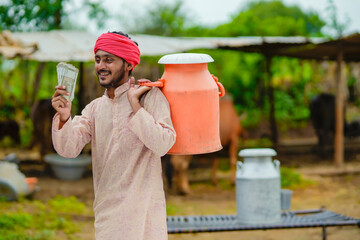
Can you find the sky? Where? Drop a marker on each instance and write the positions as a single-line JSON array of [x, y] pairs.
[[214, 12]]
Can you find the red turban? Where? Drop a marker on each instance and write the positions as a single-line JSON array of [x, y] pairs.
[[120, 46]]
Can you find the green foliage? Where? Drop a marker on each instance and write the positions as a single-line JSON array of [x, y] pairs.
[[45, 221], [97, 12], [257, 143], [42, 15], [254, 117], [26, 131], [13, 220], [62, 204], [267, 18], [291, 179], [162, 19], [27, 15], [171, 209], [336, 27]]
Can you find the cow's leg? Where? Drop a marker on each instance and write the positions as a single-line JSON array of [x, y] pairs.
[[169, 170], [215, 164], [181, 164], [233, 157], [322, 143]]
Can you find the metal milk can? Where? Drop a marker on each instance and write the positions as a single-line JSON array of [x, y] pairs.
[[258, 187]]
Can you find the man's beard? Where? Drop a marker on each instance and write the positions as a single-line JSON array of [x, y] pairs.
[[115, 82]]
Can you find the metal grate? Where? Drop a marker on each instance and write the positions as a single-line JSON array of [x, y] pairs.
[[290, 219]]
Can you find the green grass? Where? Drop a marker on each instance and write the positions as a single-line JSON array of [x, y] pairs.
[[292, 179], [36, 220]]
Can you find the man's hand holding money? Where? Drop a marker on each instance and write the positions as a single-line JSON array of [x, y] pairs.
[[60, 104], [64, 92]]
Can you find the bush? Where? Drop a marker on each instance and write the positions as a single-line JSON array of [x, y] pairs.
[[291, 179]]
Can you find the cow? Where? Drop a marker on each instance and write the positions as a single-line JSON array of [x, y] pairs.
[[322, 115], [11, 129], [230, 132], [42, 113]]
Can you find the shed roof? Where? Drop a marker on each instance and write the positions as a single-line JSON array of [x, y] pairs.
[[10, 47], [65, 45], [329, 50]]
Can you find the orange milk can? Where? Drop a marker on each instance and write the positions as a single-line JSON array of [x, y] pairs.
[[193, 95]]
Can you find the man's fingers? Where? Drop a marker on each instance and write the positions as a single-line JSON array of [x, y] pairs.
[[60, 90], [143, 80], [143, 89], [58, 104], [59, 101], [132, 82], [60, 87]]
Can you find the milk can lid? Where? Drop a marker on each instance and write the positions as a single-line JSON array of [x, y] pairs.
[[185, 58], [257, 152]]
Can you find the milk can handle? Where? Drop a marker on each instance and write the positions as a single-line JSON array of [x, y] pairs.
[[239, 165], [277, 165], [159, 83], [222, 89]]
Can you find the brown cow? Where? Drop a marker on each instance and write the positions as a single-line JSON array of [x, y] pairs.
[[230, 132]]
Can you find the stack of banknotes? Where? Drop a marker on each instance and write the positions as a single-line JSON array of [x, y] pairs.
[[67, 74]]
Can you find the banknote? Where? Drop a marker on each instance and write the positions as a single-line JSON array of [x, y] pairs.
[[67, 75]]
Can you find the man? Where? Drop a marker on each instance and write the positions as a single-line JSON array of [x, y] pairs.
[[130, 129]]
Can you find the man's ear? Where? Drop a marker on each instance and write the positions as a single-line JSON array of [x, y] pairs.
[[129, 67]]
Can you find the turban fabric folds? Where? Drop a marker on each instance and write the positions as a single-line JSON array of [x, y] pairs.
[[120, 46]]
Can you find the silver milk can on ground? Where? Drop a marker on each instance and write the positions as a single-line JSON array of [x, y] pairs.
[[258, 187]]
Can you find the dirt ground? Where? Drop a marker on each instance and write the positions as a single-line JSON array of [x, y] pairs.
[[336, 189]]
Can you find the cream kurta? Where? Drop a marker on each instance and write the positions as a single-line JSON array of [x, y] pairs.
[[126, 149]]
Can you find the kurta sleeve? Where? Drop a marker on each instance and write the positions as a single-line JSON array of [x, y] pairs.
[[74, 135], [152, 124]]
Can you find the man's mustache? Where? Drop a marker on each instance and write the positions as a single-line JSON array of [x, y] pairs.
[[103, 71]]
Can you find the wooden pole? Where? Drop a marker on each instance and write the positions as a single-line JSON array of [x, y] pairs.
[[38, 76], [80, 95], [274, 133], [26, 78], [339, 112]]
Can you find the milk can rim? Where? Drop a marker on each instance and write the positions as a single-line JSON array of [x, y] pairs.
[[257, 152], [185, 58]]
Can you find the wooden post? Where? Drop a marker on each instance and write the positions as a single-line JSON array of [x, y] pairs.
[[38, 76], [274, 133], [26, 81], [80, 94], [339, 112]]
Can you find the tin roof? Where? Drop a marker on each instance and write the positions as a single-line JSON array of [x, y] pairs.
[[65, 45]]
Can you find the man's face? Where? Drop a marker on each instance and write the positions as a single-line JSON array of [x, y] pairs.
[[112, 71]]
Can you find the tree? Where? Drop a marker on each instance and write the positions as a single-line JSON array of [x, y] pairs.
[[243, 75], [336, 28], [27, 15], [43, 15], [268, 18], [163, 19]]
